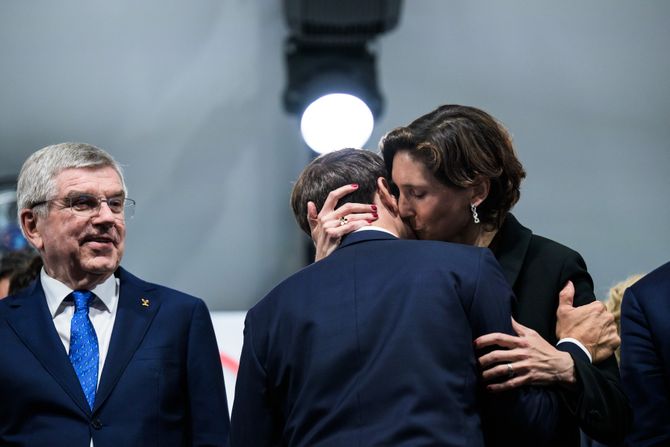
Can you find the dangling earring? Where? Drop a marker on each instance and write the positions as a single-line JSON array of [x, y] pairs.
[[475, 217]]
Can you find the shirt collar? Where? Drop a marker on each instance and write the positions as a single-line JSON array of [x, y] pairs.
[[55, 292], [376, 228]]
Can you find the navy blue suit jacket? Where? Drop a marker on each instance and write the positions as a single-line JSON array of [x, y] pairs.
[[645, 357], [373, 346], [162, 382]]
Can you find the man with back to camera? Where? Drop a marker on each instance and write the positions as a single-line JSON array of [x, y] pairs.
[[374, 344], [92, 355]]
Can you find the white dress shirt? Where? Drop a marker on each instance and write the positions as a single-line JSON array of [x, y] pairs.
[[373, 227]]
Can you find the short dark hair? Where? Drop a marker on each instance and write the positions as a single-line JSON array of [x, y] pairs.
[[21, 279], [458, 144], [15, 261], [330, 171]]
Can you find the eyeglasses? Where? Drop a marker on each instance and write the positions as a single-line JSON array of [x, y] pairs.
[[87, 205]]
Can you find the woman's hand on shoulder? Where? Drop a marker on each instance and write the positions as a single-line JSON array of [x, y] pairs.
[[329, 225], [524, 359]]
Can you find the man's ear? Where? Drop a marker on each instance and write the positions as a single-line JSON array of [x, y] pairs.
[[388, 199], [480, 190], [28, 221]]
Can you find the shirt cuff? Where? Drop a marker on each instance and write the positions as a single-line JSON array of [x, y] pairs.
[[579, 344]]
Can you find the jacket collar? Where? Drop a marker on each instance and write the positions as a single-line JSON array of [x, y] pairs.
[[362, 236], [510, 246]]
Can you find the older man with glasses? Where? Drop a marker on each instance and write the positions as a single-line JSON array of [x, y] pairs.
[[92, 355]]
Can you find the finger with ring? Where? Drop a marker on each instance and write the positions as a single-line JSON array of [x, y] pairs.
[[343, 220], [510, 370]]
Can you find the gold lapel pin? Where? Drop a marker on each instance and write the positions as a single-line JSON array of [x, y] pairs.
[[145, 302]]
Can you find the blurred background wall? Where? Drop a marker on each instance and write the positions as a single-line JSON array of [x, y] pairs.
[[186, 95]]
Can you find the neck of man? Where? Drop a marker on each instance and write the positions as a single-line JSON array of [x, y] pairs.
[[390, 223], [87, 281]]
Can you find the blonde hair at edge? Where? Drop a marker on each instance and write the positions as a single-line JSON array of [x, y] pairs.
[[613, 302]]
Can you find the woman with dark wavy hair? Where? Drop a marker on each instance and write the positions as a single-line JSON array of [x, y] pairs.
[[457, 176]]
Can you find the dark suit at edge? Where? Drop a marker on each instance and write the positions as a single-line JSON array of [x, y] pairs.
[[645, 357]]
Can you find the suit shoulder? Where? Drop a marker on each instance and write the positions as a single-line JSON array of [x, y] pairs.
[[549, 249], [286, 288], [448, 250], [551, 259], [655, 283], [547, 265], [168, 294], [445, 257], [16, 299], [175, 294]]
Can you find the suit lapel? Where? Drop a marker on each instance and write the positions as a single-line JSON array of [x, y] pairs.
[[138, 305], [511, 244], [30, 319]]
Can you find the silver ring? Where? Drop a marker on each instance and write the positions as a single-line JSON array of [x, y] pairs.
[[510, 370], [343, 221]]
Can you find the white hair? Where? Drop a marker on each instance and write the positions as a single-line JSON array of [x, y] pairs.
[[36, 181]]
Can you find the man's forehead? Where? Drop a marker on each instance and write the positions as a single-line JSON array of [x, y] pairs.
[[94, 178]]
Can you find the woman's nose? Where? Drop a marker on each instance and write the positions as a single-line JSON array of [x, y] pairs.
[[404, 207]]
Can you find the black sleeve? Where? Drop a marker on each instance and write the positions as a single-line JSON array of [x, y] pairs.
[[598, 401]]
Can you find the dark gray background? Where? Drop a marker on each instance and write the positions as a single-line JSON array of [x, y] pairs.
[[186, 94]]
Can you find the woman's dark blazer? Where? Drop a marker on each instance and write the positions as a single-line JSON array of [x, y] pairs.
[[538, 268]]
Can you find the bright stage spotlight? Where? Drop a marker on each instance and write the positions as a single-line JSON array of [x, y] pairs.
[[334, 90], [330, 63], [336, 121]]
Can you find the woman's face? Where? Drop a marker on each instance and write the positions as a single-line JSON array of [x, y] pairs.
[[433, 210]]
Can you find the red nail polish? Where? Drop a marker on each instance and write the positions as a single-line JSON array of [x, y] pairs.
[[354, 185], [374, 207], [375, 215]]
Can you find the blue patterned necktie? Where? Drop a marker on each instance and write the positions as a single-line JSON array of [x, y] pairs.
[[84, 345]]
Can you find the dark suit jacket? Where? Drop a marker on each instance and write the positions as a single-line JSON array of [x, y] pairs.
[[538, 269], [162, 382], [373, 346], [645, 357]]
